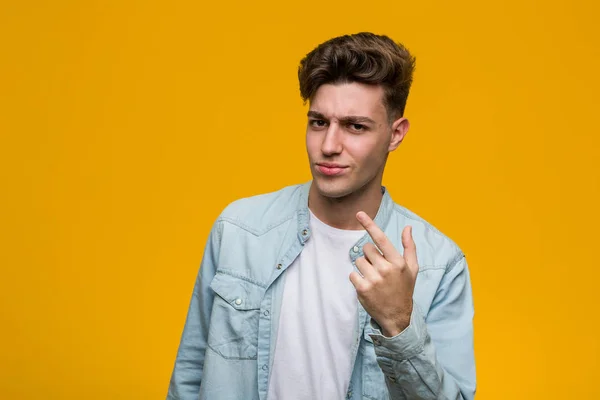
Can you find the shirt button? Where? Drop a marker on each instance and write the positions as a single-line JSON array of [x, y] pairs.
[[265, 367], [355, 249], [238, 301], [279, 266], [304, 232], [266, 313]]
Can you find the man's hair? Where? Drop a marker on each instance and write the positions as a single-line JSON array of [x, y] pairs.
[[362, 57]]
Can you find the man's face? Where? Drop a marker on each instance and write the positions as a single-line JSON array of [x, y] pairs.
[[348, 137]]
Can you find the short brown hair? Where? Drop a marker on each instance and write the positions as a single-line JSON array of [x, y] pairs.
[[365, 58]]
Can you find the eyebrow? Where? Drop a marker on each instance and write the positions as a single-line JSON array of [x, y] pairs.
[[355, 119]]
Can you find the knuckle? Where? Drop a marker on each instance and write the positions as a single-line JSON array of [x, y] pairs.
[[402, 265], [361, 262], [366, 287], [380, 237], [385, 270]]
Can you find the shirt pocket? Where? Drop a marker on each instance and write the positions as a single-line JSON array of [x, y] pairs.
[[233, 331]]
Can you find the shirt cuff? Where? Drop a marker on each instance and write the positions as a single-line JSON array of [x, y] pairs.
[[406, 344]]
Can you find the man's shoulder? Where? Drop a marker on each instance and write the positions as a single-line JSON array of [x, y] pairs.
[[436, 248], [263, 211]]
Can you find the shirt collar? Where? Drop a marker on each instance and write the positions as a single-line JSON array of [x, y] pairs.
[[381, 218]]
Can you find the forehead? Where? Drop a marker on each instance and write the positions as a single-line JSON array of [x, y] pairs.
[[343, 99]]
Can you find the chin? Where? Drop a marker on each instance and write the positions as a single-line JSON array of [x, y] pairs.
[[334, 188]]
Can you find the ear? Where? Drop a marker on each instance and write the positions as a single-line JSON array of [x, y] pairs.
[[399, 131]]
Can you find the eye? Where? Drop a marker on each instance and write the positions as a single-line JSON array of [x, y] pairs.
[[317, 123], [358, 127]]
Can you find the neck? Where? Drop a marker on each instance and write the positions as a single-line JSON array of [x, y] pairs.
[[341, 212]]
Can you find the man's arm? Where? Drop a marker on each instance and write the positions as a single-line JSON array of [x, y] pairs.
[[434, 358], [421, 359], [187, 373]]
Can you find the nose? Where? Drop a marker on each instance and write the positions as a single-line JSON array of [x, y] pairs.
[[332, 142]]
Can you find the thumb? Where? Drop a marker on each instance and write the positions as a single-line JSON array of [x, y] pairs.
[[410, 249]]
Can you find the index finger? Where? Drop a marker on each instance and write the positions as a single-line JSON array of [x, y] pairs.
[[379, 238]]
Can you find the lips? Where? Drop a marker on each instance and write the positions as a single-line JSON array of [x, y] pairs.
[[331, 169]]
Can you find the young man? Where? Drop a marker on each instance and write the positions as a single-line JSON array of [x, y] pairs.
[[330, 290]]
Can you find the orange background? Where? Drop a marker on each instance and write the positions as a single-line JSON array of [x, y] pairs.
[[126, 127]]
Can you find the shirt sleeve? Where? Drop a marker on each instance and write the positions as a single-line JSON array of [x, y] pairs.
[[187, 372], [433, 358]]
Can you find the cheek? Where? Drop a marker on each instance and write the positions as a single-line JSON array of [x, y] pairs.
[[366, 152], [312, 143]]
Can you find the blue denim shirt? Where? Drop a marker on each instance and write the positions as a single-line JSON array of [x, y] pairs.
[[227, 345]]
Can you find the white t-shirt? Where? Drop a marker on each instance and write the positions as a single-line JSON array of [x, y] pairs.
[[318, 319]]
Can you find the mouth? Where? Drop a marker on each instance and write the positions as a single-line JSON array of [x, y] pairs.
[[331, 169]]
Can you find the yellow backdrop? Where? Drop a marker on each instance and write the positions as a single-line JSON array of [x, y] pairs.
[[126, 127]]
